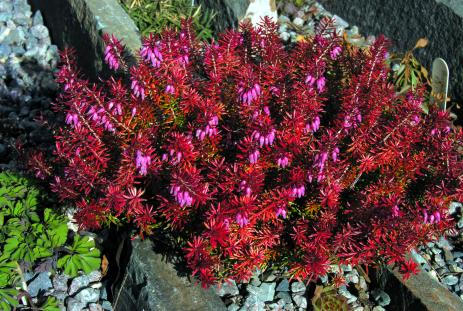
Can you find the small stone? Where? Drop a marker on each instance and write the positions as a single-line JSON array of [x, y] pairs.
[[269, 276], [444, 244], [284, 296], [283, 286], [298, 287], [60, 282], [359, 308], [439, 260], [343, 291], [420, 260], [274, 307], [354, 31], [227, 288], [39, 31], [346, 268], [233, 307], [436, 250], [41, 282], [264, 292], [300, 301], [298, 22], [285, 36], [78, 283], [324, 278], [289, 307], [378, 308], [460, 223], [88, 295], [95, 307], [352, 278], [253, 303], [37, 19], [107, 306], [458, 254], [74, 305], [450, 280], [363, 284], [433, 274], [381, 297], [448, 255]]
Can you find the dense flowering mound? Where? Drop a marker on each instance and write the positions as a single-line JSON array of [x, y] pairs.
[[258, 154]]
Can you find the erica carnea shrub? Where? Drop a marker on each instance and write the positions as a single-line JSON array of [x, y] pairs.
[[258, 154]]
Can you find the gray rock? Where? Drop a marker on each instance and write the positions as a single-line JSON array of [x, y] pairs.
[[439, 260], [457, 254], [460, 223], [227, 288], [107, 306], [420, 260], [6, 6], [378, 308], [37, 19], [284, 296], [16, 36], [298, 287], [95, 307], [264, 292], [74, 305], [5, 50], [450, 280], [454, 208], [436, 250], [338, 21], [351, 278], [345, 293], [39, 31], [269, 276], [298, 21], [300, 301], [324, 278], [448, 255], [78, 283], [381, 297], [346, 268], [289, 307], [253, 303], [88, 295], [41, 282], [283, 286], [94, 276], [362, 283], [20, 18], [60, 282], [5, 16], [233, 307], [444, 244]]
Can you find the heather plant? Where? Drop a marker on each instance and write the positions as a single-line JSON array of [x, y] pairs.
[[252, 153]]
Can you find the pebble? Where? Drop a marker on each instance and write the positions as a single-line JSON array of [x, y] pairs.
[[40, 283], [233, 307], [283, 286], [227, 288], [298, 288], [78, 283], [88, 295], [264, 292], [450, 280], [381, 297], [74, 305], [284, 296], [352, 278], [300, 301], [60, 282], [378, 308], [253, 303], [345, 293], [298, 21], [39, 31], [95, 307]]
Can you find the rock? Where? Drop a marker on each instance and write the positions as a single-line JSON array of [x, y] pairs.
[[460, 223], [458, 254], [455, 208], [253, 303], [381, 297], [298, 22], [264, 292], [378, 308], [60, 282], [324, 278], [363, 284], [283, 286], [74, 305], [233, 307], [289, 307], [37, 19], [338, 21], [15, 37], [439, 260], [444, 244], [88, 295], [450, 280], [39, 31], [448, 255], [284, 296], [95, 307], [345, 293], [346, 268], [433, 274], [78, 283], [436, 250], [41, 282], [269, 276], [5, 50], [285, 36], [5, 16], [107, 306], [351, 278], [358, 308], [227, 288], [300, 301], [94, 276], [298, 288], [420, 260]]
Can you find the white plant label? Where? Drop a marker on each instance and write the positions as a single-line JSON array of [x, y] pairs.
[[440, 82]]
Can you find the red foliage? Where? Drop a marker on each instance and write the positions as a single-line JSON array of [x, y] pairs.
[[258, 153]]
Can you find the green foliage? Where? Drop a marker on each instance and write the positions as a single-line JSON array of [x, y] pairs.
[[152, 16], [82, 256], [30, 235]]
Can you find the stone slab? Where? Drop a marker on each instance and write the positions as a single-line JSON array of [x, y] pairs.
[[151, 283], [81, 23], [441, 21]]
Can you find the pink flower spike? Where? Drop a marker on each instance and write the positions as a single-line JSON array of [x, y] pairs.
[[281, 212], [425, 217], [321, 84], [437, 215]]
